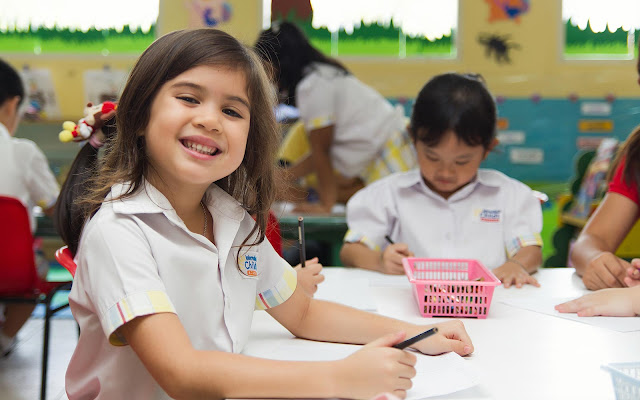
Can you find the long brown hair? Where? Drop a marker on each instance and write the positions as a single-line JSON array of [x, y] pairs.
[[125, 159]]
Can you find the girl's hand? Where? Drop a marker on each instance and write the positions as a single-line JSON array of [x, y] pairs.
[[310, 276], [392, 256], [376, 368], [451, 336], [633, 273], [618, 302], [605, 271], [511, 273]]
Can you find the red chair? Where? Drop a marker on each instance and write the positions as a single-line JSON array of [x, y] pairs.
[[19, 281], [273, 232]]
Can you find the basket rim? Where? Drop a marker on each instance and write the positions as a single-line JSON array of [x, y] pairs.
[[493, 280], [614, 369]]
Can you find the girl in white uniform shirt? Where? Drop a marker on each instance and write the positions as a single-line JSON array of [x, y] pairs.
[[171, 265], [448, 208], [356, 136], [26, 176]]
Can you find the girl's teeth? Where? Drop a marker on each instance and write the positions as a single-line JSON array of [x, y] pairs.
[[200, 148]]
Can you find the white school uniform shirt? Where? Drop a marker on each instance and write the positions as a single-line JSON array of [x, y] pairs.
[[489, 219], [25, 173], [362, 118], [137, 257]]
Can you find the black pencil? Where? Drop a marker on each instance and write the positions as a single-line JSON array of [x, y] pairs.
[[303, 254], [389, 239], [415, 339]]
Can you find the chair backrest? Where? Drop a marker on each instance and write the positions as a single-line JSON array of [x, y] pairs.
[[17, 263], [65, 258]]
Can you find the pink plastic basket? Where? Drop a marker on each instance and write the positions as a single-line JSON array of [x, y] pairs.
[[451, 287]]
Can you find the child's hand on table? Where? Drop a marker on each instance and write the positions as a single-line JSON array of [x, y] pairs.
[[451, 336], [606, 270], [512, 273], [633, 273], [376, 368], [613, 302], [310, 276], [392, 256]]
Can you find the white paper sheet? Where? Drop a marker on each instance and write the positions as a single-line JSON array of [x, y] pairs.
[[545, 305], [436, 375], [353, 292]]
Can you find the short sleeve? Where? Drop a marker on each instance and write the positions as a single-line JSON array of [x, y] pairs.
[[315, 99], [524, 219], [277, 280], [119, 274], [370, 216], [618, 185], [42, 185]]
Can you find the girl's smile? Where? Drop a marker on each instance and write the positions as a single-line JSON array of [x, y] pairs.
[[198, 128]]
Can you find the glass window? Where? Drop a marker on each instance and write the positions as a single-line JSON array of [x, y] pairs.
[[77, 26], [596, 29], [380, 28]]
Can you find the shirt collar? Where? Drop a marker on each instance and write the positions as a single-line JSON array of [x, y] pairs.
[[149, 200], [484, 177], [4, 132]]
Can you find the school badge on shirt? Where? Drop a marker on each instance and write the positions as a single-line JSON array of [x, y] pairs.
[[487, 215], [248, 263]]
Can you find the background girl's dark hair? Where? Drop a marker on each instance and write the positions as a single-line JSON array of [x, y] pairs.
[[454, 102], [630, 152], [68, 214], [288, 51], [10, 83], [125, 160]]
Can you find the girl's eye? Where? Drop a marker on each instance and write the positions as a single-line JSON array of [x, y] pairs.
[[431, 158], [462, 162], [188, 99], [231, 113]]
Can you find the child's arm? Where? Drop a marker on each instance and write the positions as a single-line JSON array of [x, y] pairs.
[[592, 254], [163, 346], [331, 322], [618, 302], [388, 262], [517, 270], [321, 140]]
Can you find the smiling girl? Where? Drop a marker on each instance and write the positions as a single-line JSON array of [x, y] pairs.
[[171, 265]]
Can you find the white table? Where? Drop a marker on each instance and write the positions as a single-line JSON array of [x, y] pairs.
[[519, 354]]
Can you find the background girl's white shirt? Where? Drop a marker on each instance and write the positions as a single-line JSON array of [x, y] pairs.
[[136, 257], [363, 120], [25, 173], [479, 221]]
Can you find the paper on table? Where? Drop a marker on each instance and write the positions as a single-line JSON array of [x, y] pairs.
[[436, 375], [546, 305], [353, 292]]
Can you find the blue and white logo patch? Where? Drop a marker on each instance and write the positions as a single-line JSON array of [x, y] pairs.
[[248, 263], [487, 215]]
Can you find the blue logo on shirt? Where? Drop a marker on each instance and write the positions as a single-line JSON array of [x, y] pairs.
[[251, 265]]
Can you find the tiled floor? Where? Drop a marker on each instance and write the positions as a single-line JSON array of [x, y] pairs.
[[20, 371]]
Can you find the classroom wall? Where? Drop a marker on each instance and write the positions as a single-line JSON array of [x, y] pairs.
[[533, 90]]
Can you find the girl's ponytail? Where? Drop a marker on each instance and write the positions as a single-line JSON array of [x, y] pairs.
[[69, 213]]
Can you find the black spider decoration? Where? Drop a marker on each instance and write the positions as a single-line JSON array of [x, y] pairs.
[[498, 46]]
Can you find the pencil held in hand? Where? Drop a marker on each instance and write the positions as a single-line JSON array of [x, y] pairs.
[[303, 253], [415, 339]]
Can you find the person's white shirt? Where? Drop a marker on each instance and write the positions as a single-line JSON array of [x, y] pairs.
[[25, 174], [137, 257], [489, 220], [362, 118]]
